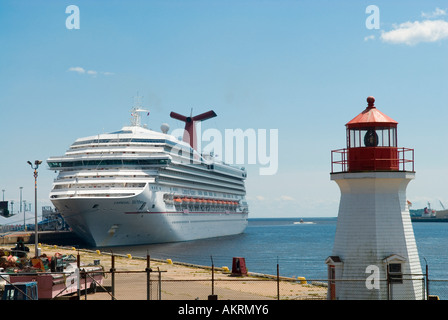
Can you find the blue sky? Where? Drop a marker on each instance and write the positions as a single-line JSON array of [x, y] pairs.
[[302, 67]]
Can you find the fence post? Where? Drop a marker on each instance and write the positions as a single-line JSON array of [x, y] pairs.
[[78, 263], [213, 277], [112, 271], [213, 280], [278, 282], [389, 289], [213, 296], [85, 283], [160, 283], [427, 283], [148, 278]]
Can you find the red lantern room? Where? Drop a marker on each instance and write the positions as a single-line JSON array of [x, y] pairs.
[[372, 143]]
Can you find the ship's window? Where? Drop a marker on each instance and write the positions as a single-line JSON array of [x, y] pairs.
[[54, 164], [118, 162]]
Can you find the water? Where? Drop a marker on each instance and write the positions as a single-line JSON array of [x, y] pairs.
[[431, 238], [299, 249]]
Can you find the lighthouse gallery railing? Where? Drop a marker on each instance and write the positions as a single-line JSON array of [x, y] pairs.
[[340, 163]]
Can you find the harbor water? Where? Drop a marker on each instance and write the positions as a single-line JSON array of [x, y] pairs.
[[299, 249]]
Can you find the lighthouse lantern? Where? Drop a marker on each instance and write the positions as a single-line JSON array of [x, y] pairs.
[[372, 141], [372, 144]]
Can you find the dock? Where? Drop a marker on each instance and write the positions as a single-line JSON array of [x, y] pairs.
[[54, 237]]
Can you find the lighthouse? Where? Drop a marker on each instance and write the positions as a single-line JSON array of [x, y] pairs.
[[374, 254]]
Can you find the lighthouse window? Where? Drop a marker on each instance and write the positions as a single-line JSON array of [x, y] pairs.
[[393, 137], [372, 137], [385, 137], [395, 274], [352, 139]]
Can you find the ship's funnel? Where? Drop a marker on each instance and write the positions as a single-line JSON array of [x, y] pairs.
[[190, 125]]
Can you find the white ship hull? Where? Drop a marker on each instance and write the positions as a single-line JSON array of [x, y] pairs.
[[119, 222], [137, 186]]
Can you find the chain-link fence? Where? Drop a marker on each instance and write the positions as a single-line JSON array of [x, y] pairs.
[[154, 286], [211, 284], [437, 289]]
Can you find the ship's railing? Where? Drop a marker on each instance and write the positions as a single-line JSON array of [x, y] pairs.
[[104, 179], [91, 195], [340, 161], [102, 187]]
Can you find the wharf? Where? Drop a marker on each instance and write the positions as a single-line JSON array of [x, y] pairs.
[[186, 281], [54, 237]]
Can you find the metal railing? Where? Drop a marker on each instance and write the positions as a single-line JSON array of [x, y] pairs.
[[340, 161]]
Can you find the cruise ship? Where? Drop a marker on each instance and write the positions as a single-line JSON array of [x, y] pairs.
[[140, 186]]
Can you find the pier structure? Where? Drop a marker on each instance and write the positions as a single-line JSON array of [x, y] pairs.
[[374, 248]]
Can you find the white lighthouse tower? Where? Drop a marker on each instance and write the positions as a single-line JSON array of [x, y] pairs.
[[374, 255]]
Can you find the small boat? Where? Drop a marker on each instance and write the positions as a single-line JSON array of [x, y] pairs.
[[64, 279], [303, 222]]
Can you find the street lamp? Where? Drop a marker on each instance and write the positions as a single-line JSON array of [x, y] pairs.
[[36, 227]]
